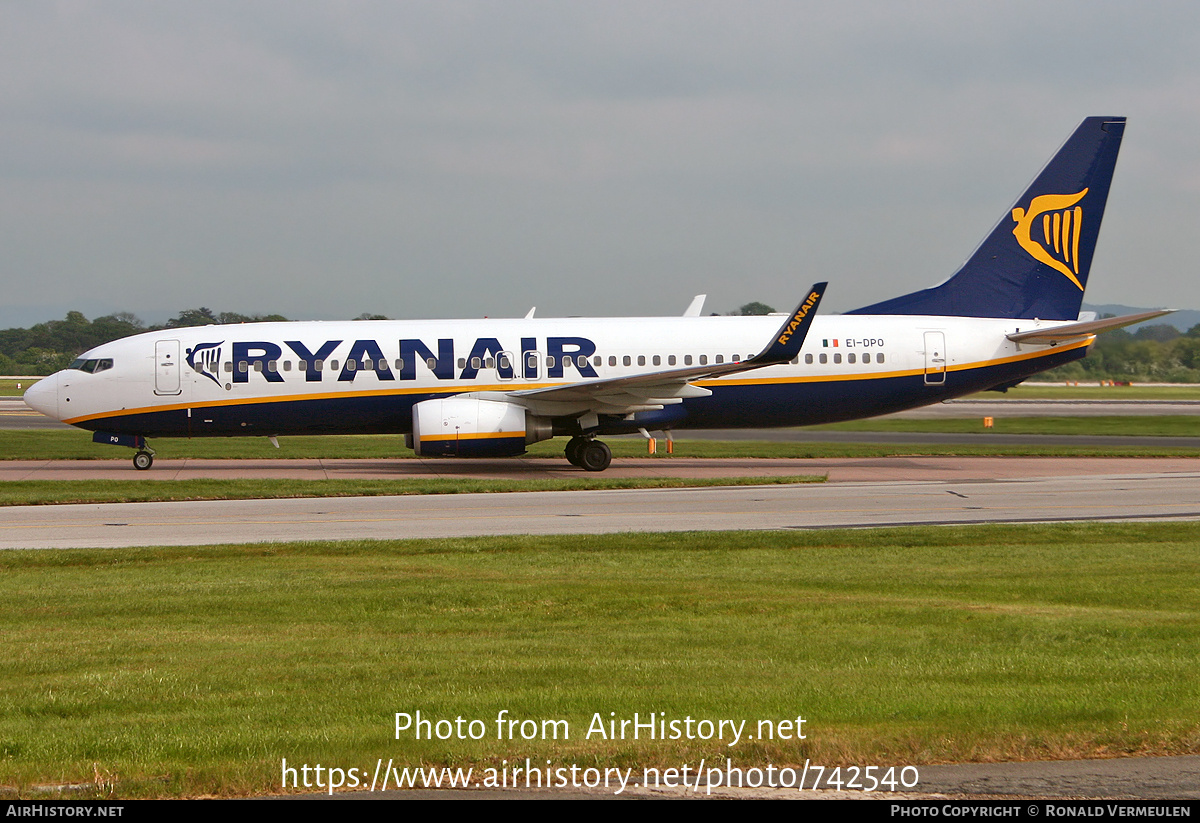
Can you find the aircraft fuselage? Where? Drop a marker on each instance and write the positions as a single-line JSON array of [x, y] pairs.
[[365, 376]]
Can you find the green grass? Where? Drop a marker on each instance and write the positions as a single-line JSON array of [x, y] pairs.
[[189, 671], [1027, 391], [51, 444], [8, 388], [45, 492], [1129, 426]]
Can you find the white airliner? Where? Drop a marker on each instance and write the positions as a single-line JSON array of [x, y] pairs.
[[488, 388]]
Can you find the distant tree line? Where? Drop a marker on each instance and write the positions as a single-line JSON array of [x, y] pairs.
[[50, 346], [1152, 354]]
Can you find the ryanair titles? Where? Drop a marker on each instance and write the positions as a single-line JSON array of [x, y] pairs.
[[798, 317], [416, 357]]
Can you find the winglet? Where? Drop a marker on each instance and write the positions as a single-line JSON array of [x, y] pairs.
[[696, 306], [790, 337]]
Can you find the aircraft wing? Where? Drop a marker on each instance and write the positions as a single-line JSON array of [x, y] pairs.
[[653, 390], [1077, 331]]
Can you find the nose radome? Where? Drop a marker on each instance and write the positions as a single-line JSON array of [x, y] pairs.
[[42, 396]]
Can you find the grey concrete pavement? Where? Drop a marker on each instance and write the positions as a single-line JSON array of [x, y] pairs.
[[1096, 496]]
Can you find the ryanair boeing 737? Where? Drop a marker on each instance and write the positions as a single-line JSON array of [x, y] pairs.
[[488, 388]]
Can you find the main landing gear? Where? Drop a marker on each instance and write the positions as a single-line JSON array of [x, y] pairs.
[[588, 454]]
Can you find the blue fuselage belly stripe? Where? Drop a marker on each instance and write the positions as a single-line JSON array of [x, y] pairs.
[[761, 405]]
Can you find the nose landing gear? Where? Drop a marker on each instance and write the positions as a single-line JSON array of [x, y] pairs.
[[144, 458]]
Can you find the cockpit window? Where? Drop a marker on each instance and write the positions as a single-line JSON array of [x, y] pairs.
[[91, 366]]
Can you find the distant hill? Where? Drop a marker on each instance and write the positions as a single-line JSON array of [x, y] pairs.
[[1182, 320]]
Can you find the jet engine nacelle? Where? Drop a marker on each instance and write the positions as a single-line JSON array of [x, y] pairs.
[[468, 427]]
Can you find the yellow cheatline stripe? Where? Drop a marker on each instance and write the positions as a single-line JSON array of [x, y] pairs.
[[290, 398], [472, 436], [725, 381], [881, 375]]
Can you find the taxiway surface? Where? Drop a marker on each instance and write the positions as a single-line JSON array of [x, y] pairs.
[[1029, 490]]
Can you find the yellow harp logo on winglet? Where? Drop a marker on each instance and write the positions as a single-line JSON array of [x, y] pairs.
[[1059, 230]]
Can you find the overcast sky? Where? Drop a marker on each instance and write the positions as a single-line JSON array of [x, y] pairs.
[[461, 159]]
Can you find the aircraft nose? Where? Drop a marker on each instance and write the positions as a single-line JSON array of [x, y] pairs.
[[42, 396]]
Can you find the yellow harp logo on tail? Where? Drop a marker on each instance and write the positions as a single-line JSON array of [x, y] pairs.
[[1059, 228]]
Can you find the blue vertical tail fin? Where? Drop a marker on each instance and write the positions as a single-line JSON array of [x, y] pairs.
[[1035, 263]]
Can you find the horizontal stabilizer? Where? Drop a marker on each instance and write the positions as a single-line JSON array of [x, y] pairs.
[[1077, 331]]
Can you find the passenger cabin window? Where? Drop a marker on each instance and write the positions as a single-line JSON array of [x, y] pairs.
[[720, 358], [824, 357], [850, 357], [670, 360], [626, 360], [641, 359], [837, 358], [808, 358], [612, 360], [704, 360], [867, 357], [657, 360], [687, 360]]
